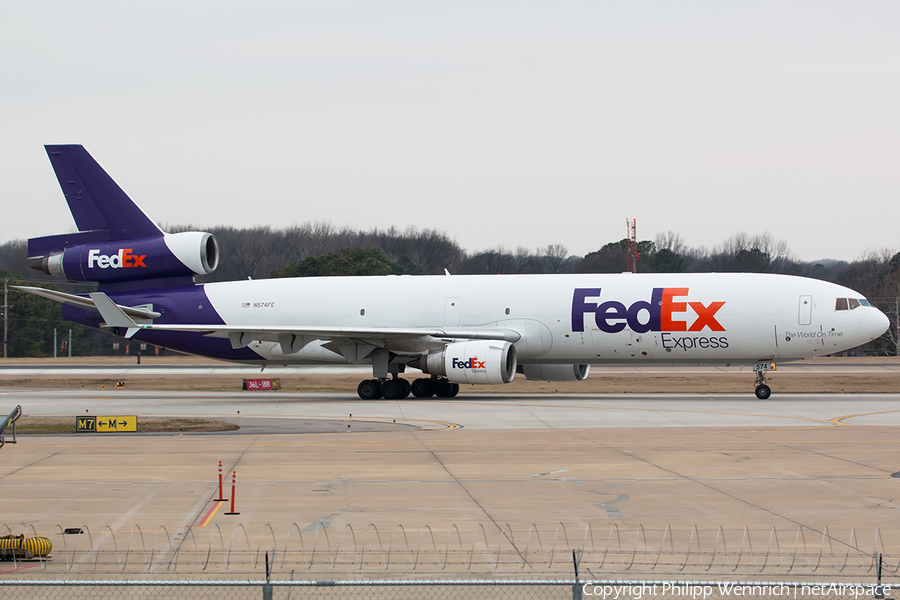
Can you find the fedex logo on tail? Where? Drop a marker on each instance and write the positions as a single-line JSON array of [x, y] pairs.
[[124, 259], [667, 311]]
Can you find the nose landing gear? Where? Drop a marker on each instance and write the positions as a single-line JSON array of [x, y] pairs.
[[763, 391]]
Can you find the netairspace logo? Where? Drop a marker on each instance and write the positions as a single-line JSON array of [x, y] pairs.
[[721, 590]]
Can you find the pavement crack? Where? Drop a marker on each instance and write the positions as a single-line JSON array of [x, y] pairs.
[[713, 488], [530, 412], [31, 464], [474, 500]]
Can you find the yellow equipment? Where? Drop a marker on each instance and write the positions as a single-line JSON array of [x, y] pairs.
[[19, 547]]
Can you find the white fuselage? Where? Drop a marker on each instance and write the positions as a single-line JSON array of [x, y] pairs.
[[699, 318]]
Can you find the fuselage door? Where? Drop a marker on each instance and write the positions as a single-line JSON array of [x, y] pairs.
[[805, 310], [613, 346]]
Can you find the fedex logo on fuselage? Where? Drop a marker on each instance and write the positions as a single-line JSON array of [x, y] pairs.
[[472, 363], [666, 311], [124, 259]]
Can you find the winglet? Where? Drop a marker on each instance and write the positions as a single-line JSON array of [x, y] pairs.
[[113, 315]]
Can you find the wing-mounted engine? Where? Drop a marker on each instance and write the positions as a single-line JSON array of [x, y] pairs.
[[478, 362], [549, 372], [170, 255]]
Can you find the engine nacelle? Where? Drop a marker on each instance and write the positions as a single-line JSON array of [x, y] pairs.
[[548, 372], [172, 255], [478, 362]]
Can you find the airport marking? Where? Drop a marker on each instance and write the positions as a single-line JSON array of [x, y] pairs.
[[447, 425], [211, 513], [22, 568], [840, 420]]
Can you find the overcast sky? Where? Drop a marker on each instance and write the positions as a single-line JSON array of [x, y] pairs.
[[500, 123]]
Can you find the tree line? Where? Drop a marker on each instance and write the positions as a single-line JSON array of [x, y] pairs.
[[321, 249]]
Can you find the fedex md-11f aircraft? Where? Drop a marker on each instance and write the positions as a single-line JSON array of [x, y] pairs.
[[474, 329]]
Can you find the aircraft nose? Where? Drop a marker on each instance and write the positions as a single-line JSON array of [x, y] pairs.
[[880, 323]]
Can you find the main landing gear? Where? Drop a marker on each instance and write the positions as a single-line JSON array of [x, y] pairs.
[[426, 388], [398, 388], [763, 391]]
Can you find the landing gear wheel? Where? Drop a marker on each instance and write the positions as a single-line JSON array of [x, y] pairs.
[[395, 389], [370, 389], [445, 389], [422, 388], [763, 391]]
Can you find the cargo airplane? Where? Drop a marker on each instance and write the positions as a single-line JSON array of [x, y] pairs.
[[455, 329]]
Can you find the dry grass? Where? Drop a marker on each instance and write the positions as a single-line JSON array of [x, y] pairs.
[[786, 380]]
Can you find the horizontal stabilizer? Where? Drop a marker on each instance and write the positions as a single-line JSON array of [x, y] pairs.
[[134, 312]]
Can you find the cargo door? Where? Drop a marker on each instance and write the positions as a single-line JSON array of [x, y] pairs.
[[612, 346]]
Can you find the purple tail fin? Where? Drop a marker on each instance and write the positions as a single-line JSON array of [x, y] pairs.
[[101, 209], [117, 246]]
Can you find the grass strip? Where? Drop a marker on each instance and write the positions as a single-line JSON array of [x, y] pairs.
[[50, 425]]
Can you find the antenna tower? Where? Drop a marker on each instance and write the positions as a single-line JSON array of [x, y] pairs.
[[631, 250]]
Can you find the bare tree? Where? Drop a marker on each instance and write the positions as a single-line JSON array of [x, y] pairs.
[[753, 254], [671, 241]]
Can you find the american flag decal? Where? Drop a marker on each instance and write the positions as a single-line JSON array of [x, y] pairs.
[[245, 305]]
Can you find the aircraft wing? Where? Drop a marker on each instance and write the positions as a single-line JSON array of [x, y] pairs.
[[293, 337], [241, 335]]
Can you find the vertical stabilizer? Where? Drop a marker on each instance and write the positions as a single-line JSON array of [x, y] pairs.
[[95, 200]]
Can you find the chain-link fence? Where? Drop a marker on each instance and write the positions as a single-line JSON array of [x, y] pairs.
[[443, 589]]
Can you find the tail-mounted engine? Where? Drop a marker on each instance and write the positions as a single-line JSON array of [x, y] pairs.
[[479, 362], [171, 255], [549, 372]]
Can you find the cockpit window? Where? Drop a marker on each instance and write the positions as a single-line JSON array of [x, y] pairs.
[[850, 303]]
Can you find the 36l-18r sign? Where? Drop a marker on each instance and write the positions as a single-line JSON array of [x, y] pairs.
[[262, 384]]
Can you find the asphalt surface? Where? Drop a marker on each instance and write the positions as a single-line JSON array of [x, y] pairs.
[[298, 412], [562, 467]]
